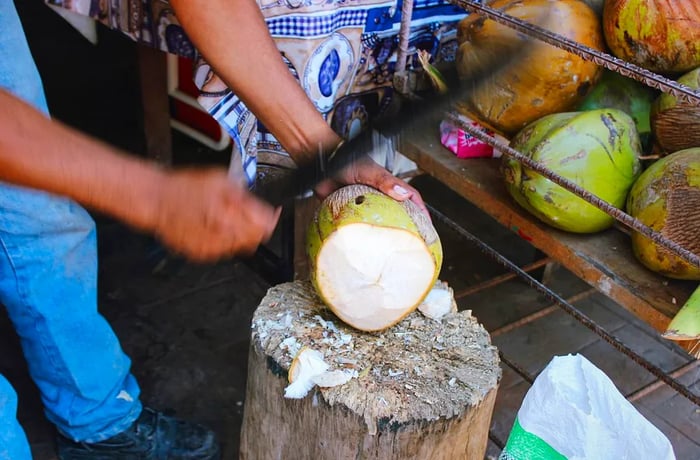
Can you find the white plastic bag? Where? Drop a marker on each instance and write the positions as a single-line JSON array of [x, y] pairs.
[[574, 411]]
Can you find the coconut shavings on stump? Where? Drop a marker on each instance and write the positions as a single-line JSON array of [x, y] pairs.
[[423, 384]]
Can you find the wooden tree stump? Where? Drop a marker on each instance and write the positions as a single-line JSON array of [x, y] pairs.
[[424, 389]]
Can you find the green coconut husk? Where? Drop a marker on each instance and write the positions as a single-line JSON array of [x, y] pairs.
[[686, 324], [597, 149], [666, 197], [618, 92]]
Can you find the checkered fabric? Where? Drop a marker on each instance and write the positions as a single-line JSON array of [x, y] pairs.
[[316, 25], [352, 79], [240, 123]]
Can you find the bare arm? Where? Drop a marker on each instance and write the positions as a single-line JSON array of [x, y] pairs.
[[41, 153], [199, 213], [234, 39]]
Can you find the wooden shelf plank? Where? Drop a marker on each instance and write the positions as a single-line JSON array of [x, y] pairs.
[[604, 260]]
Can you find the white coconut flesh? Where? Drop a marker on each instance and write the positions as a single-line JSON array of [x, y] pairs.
[[438, 302], [372, 276], [308, 369]]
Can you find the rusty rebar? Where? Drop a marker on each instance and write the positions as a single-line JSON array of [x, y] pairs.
[[567, 307], [682, 92], [496, 280], [574, 188]]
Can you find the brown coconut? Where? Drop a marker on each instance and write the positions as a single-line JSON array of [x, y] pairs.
[[676, 123], [542, 79]]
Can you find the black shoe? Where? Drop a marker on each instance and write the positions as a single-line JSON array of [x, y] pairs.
[[153, 436]]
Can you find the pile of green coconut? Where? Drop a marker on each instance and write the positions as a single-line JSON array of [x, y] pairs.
[[630, 145]]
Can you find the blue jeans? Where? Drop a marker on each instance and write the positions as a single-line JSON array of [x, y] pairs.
[[48, 283]]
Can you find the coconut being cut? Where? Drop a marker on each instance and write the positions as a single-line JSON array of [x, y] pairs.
[[372, 259]]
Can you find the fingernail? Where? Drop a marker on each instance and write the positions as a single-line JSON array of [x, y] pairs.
[[400, 190]]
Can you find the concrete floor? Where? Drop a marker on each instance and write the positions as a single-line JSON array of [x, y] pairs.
[[186, 327]]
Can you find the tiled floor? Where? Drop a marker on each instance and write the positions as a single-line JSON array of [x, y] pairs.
[[186, 327]]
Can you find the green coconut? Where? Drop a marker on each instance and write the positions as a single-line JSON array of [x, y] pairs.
[[686, 324], [676, 124], [597, 149], [666, 197], [615, 91], [372, 259]]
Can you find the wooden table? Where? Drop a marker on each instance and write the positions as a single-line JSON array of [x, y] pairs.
[[604, 260]]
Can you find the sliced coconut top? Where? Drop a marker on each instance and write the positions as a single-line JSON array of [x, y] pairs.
[[338, 201], [372, 276], [306, 364]]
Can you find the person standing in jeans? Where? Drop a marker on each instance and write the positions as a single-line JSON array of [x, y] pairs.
[[48, 257]]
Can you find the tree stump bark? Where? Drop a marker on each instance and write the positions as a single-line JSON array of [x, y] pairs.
[[423, 389]]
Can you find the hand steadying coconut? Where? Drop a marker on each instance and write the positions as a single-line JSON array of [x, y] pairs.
[[373, 259], [366, 171]]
